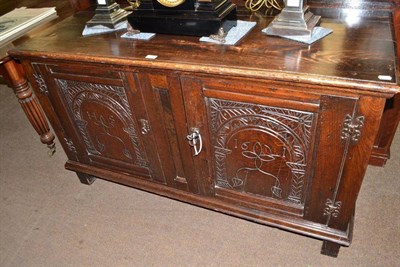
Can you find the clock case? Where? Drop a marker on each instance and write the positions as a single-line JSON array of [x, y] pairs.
[[192, 17]]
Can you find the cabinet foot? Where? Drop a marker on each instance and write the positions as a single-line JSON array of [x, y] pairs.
[[86, 178], [330, 249]]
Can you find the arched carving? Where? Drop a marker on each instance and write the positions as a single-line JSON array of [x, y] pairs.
[[260, 149], [100, 112]]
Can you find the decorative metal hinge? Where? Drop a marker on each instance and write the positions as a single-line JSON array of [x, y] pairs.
[[352, 128], [41, 83], [332, 208]]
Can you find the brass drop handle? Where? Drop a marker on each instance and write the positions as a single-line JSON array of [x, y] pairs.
[[195, 141]]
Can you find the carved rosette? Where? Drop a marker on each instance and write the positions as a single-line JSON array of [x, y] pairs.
[[114, 98], [290, 131]]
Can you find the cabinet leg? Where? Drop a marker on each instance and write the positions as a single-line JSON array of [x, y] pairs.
[[86, 178], [29, 103], [330, 249]]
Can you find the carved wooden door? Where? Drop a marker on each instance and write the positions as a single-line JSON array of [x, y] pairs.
[[268, 150], [104, 118], [260, 149]]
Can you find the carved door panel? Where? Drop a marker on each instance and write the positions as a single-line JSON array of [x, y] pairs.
[[262, 149], [104, 117], [261, 153]]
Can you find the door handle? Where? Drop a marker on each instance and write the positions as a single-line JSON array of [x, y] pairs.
[[145, 126], [195, 141]]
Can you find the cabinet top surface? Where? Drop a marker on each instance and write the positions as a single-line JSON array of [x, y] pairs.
[[359, 52]]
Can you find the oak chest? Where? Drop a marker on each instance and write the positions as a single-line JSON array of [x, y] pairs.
[[269, 130]]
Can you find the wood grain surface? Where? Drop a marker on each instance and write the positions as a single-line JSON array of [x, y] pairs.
[[352, 56]]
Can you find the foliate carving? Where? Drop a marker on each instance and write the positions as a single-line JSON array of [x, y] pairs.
[[277, 146], [39, 78], [298, 172], [131, 131], [70, 145], [332, 208], [352, 128], [114, 100], [40, 83]]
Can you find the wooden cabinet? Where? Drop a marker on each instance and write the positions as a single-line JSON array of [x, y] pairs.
[[270, 130], [259, 146]]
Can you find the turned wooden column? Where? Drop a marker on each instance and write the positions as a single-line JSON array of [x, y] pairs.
[[14, 76]]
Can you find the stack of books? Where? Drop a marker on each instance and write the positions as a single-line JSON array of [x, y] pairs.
[[21, 20]]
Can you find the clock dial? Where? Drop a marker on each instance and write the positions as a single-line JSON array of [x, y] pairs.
[[170, 3]]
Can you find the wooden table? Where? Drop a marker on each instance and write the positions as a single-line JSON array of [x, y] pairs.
[[269, 130]]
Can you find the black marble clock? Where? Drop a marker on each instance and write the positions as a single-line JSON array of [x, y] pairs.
[[184, 17]]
